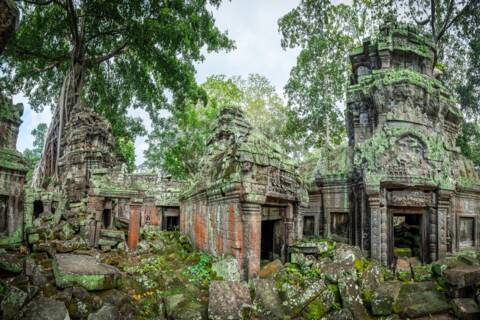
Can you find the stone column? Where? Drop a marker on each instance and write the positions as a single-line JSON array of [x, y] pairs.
[[134, 225], [375, 227], [252, 237], [443, 225], [432, 233]]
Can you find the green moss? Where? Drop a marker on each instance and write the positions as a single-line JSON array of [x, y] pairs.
[[315, 310], [13, 160]]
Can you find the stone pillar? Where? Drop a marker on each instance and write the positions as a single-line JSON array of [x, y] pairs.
[[432, 233], [134, 225], [154, 215], [443, 225], [252, 237], [375, 227]]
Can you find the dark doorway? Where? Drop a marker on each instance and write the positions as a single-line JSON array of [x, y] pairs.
[[267, 240], [409, 236], [339, 226], [467, 232], [308, 226], [3, 214], [172, 223], [272, 239], [37, 208], [107, 218]]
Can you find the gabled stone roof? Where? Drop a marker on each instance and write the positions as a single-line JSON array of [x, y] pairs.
[[237, 153]]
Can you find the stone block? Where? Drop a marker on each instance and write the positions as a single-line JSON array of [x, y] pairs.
[[270, 269], [351, 297], [385, 297], [12, 302], [228, 300], [85, 271], [10, 262], [420, 299], [45, 309], [422, 273], [267, 301], [403, 270], [466, 309], [227, 268], [463, 276]]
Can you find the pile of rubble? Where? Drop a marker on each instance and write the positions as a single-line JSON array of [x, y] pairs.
[[327, 280]]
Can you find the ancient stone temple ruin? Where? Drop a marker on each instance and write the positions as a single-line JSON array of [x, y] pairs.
[[87, 144], [120, 200], [247, 200], [13, 168], [401, 186]]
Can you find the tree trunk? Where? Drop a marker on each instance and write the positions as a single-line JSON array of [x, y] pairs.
[[47, 168]]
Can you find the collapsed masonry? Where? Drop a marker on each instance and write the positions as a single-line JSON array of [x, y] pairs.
[[247, 199], [96, 203], [401, 185], [13, 166]]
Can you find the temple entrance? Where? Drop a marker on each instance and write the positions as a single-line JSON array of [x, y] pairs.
[[273, 233], [408, 237], [172, 223], [3, 214], [37, 208], [107, 218], [170, 218]]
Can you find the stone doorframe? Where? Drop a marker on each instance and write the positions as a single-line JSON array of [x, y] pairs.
[[414, 199], [424, 234]]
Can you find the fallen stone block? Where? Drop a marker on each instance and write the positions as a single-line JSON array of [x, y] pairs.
[[85, 271], [45, 309], [267, 300], [228, 300], [227, 268], [466, 309], [12, 302], [420, 299], [10, 262], [270, 269], [463, 276], [351, 297], [385, 297]]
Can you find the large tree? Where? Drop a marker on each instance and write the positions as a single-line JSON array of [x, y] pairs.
[[178, 142], [112, 55], [326, 32]]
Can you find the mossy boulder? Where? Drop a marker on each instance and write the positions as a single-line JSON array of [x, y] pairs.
[[10, 262], [12, 303], [84, 271], [385, 297]]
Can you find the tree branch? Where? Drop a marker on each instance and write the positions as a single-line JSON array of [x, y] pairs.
[[111, 54], [29, 53], [49, 67], [432, 18], [455, 19]]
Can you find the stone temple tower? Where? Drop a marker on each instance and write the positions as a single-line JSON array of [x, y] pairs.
[[88, 144], [401, 185]]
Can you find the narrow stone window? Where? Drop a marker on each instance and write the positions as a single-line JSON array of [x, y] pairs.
[[308, 226], [3, 214], [37, 208], [467, 232], [339, 225], [107, 218]]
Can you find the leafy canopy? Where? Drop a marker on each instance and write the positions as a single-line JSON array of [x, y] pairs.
[[131, 53], [178, 142], [326, 32]]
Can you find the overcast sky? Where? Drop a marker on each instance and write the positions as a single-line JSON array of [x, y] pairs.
[[252, 24]]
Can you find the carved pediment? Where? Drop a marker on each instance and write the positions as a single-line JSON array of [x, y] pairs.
[[407, 157]]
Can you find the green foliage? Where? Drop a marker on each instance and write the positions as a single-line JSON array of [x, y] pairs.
[[178, 142], [33, 155], [126, 149], [126, 54], [201, 272], [326, 33], [469, 141]]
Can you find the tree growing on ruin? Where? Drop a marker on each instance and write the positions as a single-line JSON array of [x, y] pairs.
[[326, 33], [113, 55]]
